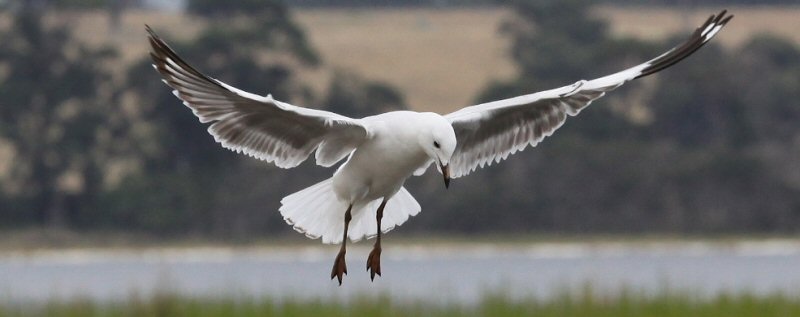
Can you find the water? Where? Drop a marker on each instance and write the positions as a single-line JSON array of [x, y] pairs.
[[438, 273]]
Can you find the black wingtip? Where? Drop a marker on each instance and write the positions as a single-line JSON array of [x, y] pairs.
[[161, 52], [708, 21], [155, 40], [695, 41], [725, 21], [722, 19], [721, 14], [150, 31]]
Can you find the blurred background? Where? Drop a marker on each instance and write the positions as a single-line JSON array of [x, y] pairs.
[[102, 166]]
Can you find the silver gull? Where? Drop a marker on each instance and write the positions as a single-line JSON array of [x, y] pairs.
[[365, 197]]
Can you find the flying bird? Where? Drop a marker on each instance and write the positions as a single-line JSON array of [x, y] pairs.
[[365, 197]]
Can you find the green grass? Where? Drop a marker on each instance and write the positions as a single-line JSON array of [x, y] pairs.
[[586, 304]]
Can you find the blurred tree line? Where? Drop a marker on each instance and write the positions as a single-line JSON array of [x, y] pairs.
[[462, 3], [709, 146], [245, 5], [82, 150]]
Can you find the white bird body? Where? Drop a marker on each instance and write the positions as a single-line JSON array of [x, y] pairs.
[[397, 146], [380, 165], [383, 151]]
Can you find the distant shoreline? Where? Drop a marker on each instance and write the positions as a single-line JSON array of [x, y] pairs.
[[35, 240]]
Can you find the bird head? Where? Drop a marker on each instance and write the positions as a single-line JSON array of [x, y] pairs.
[[439, 141]]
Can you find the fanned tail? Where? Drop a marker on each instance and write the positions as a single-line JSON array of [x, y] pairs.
[[318, 213]]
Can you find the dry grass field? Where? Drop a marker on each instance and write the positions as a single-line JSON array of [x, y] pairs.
[[648, 22], [440, 59]]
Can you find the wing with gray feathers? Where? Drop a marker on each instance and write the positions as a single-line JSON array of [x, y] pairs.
[[489, 132], [261, 127]]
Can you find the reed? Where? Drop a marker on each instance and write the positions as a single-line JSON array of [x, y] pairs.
[[587, 303]]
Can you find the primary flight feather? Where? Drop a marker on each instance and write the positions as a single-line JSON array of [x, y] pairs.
[[365, 197]]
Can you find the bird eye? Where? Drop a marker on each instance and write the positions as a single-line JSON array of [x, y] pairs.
[[436, 144]]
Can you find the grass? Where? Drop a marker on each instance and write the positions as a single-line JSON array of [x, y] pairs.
[[586, 304]]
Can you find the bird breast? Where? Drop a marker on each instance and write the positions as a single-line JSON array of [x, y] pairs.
[[380, 166]]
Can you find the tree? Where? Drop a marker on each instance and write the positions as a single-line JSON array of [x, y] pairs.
[[52, 111], [188, 180], [267, 24], [555, 43], [700, 163], [353, 96]]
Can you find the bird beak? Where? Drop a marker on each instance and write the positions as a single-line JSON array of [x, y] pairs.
[[446, 174]]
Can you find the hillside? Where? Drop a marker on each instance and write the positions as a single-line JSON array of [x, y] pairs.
[[439, 59]]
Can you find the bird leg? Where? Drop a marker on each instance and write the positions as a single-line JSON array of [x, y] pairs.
[[374, 259], [339, 265]]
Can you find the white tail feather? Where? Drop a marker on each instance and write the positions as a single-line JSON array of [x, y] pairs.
[[318, 213]]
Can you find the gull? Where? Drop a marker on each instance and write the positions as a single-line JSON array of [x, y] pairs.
[[365, 196]]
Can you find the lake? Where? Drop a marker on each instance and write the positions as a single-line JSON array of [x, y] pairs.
[[439, 273]]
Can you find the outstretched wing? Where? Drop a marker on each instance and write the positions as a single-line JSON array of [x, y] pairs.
[[261, 127], [490, 132]]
